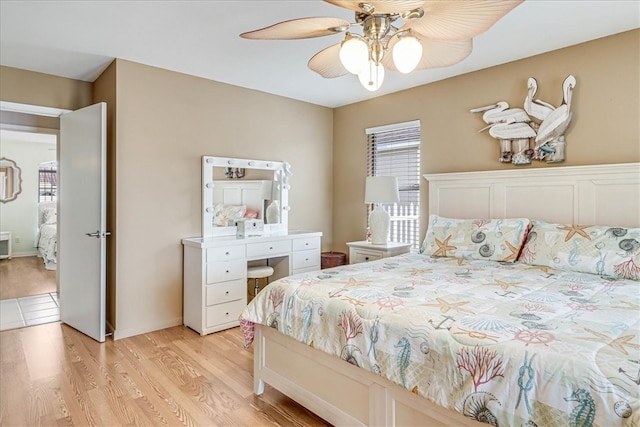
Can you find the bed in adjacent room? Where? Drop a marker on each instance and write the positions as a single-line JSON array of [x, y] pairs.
[[521, 320], [47, 236]]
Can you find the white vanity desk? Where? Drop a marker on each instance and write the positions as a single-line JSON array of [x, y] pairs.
[[215, 273], [215, 265]]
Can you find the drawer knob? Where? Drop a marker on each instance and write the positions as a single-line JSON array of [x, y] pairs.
[[226, 293], [226, 253], [306, 244], [306, 259], [228, 270], [365, 258], [226, 314]]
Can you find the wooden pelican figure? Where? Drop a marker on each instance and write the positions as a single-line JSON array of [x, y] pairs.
[[554, 125], [501, 113], [536, 109], [514, 141]]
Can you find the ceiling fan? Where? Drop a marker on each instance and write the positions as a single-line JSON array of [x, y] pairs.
[[419, 34]]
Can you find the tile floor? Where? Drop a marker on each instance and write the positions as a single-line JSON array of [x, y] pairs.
[[29, 311]]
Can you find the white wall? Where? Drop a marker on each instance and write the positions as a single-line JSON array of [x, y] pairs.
[[19, 216]]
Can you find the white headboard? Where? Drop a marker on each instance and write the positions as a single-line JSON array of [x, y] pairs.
[[598, 194]]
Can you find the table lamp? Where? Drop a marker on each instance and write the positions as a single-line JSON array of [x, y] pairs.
[[380, 189]]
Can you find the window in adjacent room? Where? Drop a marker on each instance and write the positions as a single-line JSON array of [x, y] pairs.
[[47, 181], [394, 150]]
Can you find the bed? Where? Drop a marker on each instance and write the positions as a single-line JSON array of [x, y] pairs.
[[524, 319], [47, 236]]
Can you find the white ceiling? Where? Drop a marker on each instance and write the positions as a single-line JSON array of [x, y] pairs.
[[78, 39]]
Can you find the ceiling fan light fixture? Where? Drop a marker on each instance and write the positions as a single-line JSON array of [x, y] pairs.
[[407, 53], [372, 77], [354, 54]]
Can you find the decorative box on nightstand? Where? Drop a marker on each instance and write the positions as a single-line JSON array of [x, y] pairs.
[[365, 251]]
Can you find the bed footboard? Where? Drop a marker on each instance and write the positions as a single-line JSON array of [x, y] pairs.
[[338, 392]]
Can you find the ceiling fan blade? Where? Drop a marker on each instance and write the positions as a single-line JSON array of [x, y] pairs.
[[435, 53], [327, 63], [388, 6], [303, 28], [460, 20]]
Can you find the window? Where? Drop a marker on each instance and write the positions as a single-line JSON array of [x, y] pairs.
[[47, 181], [394, 150]]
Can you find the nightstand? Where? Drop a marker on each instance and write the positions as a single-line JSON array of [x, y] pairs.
[[365, 251], [5, 244]]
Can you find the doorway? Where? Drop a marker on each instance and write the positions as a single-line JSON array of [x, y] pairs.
[[28, 273]]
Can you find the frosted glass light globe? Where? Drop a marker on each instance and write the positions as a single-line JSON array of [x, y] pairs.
[[407, 54], [372, 77], [354, 55]]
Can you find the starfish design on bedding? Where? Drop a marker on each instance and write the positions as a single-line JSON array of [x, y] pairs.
[[574, 229], [505, 285], [617, 344], [629, 306], [514, 252], [443, 247], [353, 283], [445, 306]]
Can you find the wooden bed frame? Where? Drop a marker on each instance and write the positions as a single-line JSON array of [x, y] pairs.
[[343, 394]]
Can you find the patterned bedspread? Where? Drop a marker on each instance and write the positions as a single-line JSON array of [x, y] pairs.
[[47, 242], [503, 343]]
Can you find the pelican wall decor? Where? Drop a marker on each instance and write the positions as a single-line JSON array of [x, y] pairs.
[[539, 121]]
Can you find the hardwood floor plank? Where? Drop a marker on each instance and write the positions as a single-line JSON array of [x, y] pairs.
[[25, 276], [53, 375]]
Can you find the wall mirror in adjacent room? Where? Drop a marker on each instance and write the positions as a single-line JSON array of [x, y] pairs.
[[10, 180], [261, 193]]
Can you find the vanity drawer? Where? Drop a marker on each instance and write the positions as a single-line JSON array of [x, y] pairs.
[[224, 313], [221, 271], [306, 244], [226, 291], [306, 259], [225, 253], [267, 249]]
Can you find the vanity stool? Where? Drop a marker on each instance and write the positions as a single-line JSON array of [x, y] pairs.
[[257, 273]]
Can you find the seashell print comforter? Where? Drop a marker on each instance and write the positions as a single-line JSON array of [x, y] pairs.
[[503, 343]]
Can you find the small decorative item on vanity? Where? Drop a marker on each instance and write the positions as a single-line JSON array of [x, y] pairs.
[[540, 121], [380, 189], [234, 173]]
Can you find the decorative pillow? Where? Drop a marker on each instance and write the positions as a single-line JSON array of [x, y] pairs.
[[251, 213], [595, 249], [485, 239], [49, 216], [222, 213]]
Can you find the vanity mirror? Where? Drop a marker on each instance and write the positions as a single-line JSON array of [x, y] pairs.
[[10, 180], [227, 200]]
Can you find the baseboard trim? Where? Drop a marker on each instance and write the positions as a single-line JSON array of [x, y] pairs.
[[130, 332]]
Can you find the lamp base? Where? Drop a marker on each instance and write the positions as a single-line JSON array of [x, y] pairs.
[[379, 226]]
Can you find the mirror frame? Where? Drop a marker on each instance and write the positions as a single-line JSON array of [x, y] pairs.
[[281, 176], [17, 185]]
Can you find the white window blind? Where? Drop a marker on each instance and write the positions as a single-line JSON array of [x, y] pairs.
[[394, 150]]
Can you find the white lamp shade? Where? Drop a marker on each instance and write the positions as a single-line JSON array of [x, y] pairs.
[[372, 76], [381, 189], [407, 53], [354, 55]]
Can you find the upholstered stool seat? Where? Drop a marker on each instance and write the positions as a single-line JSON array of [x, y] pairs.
[[258, 272]]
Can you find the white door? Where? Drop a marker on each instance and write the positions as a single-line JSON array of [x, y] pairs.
[[82, 220]]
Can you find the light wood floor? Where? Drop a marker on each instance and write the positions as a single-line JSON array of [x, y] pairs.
[[25, 276], [54, 375]]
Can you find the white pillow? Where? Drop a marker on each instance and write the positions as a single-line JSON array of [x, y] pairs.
[[49, 216]]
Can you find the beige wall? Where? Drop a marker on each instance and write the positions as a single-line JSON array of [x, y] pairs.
[[166, 122], [28, 87], [604, 127]]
